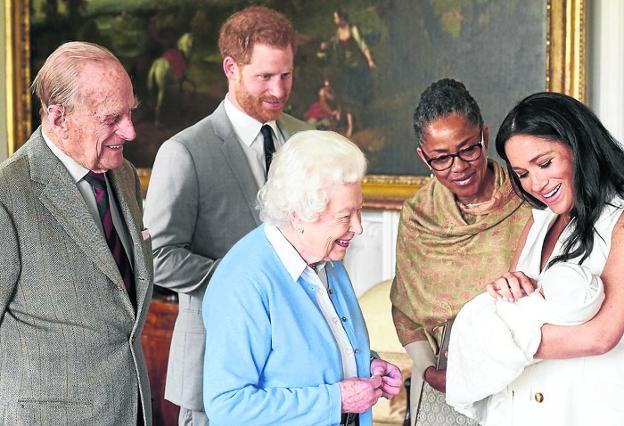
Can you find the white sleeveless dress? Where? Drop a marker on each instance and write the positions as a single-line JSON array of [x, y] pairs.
[[572, 392]]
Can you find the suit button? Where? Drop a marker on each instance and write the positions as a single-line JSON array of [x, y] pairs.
[[539, 397], [344, 319]]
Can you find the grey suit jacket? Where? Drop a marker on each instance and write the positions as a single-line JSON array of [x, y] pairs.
[[70, 348], [201, 200]]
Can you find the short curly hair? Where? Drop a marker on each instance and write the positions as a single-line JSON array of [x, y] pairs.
[[442, 98], [255, 24]]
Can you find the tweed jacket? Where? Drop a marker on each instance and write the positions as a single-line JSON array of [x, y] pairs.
[[70, 348]]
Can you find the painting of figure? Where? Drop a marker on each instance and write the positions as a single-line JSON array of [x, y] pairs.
[[348, 62], [361, 64]]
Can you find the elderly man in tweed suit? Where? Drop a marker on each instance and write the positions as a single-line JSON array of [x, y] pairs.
[[75, 261]]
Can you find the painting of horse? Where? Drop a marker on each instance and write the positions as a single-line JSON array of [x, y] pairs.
[[170, 68]]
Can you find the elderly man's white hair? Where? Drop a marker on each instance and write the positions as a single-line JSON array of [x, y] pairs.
[[57, 82], [302, 173]]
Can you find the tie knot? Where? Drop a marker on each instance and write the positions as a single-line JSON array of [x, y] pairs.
[[269, 147], [96, 179], [266, 132]]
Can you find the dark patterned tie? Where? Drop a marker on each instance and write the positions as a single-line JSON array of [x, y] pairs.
[[269, 147], [98, 183]]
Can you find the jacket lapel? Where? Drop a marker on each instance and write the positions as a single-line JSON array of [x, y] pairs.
[[236, 159], [289, 126], [61, 197], [131, 213]]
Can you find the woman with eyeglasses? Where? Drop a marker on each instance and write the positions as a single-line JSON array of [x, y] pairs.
[[456, 234]]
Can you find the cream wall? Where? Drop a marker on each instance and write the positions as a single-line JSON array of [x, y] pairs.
[[605, 54]]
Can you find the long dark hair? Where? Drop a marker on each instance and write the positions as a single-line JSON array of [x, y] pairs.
[[598, 160]]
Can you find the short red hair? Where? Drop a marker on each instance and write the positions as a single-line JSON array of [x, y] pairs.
[[255, 24]]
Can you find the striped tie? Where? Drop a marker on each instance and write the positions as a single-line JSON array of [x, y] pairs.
[[98, 183]]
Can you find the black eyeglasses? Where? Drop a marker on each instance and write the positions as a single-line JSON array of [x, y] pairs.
[[444, 162]]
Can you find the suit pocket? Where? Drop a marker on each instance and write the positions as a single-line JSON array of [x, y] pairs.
[[54, 412], [146, 250]]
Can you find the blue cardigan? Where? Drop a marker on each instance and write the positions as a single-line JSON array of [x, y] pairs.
[[271, 358]]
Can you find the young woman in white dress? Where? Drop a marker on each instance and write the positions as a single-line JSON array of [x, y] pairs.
[[567, 165]]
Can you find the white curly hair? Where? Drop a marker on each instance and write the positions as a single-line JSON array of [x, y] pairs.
[[303, 171]]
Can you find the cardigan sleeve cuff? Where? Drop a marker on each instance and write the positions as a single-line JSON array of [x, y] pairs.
[[336, 404]]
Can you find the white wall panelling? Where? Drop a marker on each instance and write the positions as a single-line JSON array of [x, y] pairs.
[[606, 63], [371, 256]]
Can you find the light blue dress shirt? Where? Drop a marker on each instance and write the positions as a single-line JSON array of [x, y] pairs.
[[271, 358]]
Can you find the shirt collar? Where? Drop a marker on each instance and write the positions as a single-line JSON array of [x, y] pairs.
[[319, 267], [246, 127], [76, 171], [292, 260]]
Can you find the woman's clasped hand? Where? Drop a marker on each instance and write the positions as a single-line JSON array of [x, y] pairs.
[[359, 394]]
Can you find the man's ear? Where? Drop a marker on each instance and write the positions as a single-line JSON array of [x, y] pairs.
[[55, 115], [230, 68]]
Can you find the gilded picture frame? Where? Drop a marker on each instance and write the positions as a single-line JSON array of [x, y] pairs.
[[563, 50]]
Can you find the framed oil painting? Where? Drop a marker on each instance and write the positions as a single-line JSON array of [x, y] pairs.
[[359, 69]]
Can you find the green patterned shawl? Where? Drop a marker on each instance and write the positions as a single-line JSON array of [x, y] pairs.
[[443, 260]]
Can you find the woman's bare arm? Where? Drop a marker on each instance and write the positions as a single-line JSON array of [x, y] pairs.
[[604, 331]]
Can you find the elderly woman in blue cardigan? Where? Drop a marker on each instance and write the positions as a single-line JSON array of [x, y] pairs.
[[286, 342]]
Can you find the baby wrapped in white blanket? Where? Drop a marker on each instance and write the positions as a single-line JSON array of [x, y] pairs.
[[493, 341]]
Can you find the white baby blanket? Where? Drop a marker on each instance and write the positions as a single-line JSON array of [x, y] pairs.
[[493, 341]]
